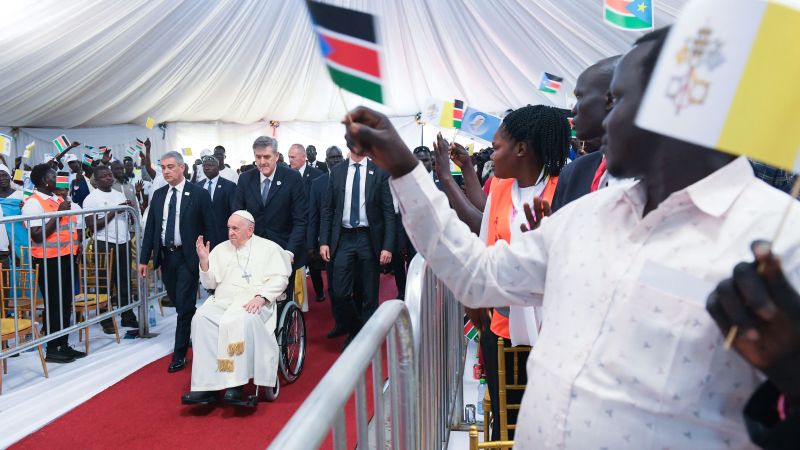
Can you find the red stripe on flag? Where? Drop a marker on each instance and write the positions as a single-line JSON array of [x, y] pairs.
[[458, 114], [354, 56], [620, 6]]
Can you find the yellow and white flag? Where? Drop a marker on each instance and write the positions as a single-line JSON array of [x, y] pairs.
[[149, 123], [5, 145], [28, 149], [727, 79]]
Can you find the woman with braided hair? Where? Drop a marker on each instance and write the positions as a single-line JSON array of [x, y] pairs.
[[530, 149]]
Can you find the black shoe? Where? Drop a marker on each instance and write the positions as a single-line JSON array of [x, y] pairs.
[[320, 298], [233, 395], [336, 331], [199, 398], [129, 320], [177, 364], [347, 341], [72, 352], [58, 356], [167, 303]]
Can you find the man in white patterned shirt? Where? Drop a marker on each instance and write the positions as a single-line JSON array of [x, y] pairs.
[[628, 356]]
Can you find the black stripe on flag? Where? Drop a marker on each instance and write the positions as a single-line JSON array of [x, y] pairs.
[[458, 104], [340, 20]]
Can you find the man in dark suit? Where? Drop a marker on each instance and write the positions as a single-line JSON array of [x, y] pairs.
[[319, 189], [594, 102], [276, 197], [179, 213], [222, 192], [297, 161], [311, 155], [357, 233]]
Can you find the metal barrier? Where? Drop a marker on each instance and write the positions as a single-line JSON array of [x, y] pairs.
[[324, 407], [430, 387], [438, 323], [86, 274]]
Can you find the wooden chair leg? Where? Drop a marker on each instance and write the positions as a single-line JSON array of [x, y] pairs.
[[116, 329], [86, 341], [160, 306], [41, 354]]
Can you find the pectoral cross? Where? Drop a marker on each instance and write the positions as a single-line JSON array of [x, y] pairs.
[[246, 276]]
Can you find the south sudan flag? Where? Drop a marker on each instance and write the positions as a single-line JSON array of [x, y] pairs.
[[629, 14], [348, 42]]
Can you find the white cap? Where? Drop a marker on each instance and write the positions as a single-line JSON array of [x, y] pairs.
[[69, 157], [206, 152], [5, 169], [245, 215]]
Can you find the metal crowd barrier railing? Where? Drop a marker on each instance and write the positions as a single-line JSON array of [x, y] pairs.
[[324, 409], [430, 387], [21, 281]]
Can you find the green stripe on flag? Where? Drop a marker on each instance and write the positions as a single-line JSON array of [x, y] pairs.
[[472, 335], [456, 123], [548, 90], [627, 22], [357, 85]]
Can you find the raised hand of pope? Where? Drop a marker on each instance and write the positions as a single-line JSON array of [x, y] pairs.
[[203, 249], [370, 132]]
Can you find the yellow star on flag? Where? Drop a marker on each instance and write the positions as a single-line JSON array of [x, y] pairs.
[[641, 7]]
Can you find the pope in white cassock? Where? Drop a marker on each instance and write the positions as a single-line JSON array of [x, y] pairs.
[[233, 332]]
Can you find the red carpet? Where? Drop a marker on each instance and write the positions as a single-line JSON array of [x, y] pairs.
[[144, 409]]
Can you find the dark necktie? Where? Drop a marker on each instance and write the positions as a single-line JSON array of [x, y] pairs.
[[169, 233], [208, 188], [354, 201], [265, 192]]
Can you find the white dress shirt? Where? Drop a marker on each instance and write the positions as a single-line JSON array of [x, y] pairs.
[[627, 357], [348, 194], [178, 198], [302, 170], [229, 174]]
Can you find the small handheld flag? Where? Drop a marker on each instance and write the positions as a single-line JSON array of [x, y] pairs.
[[62, 181], [470, 332], [348, 42], [131, 152], [636, 15], [61, 143], [550, 83], [18, 174], [187, 151], [446, 115], [5, 144], [480, 124], [28, 149], [139, 144], [723, 85], [87, 160], [149, 123], [458, 112]]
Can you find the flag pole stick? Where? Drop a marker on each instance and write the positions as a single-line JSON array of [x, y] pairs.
[[734, 330], [346, 109]]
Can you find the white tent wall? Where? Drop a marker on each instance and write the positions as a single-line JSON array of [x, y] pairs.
[[236, 138], [90, 63]]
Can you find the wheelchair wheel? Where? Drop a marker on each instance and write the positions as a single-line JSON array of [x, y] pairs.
[[291, 341], [271, 393]]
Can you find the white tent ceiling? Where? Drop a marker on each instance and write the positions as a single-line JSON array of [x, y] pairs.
[[86, 63]]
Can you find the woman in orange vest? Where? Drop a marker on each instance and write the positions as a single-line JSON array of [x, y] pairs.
[[530, 149], [54, 244]]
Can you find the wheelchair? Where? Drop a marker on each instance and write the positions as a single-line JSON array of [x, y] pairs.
[[291, 336]]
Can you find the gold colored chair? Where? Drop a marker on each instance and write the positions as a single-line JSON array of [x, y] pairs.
[[24, 280], [94, 295], [503, 388], [475, 445]]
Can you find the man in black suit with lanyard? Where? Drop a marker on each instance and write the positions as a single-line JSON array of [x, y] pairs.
[[276, 197], [179, 213], [222, 192], [357, 233]]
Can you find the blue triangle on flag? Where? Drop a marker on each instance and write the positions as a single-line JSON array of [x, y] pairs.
[[642, 9], [324, 46]]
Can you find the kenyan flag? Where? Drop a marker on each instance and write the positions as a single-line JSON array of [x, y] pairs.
[[348, 43], [629, 14]]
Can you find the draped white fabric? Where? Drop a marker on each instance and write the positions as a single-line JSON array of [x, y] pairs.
[[90, 63]]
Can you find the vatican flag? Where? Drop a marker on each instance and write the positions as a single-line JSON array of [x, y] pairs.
[[725, 80]]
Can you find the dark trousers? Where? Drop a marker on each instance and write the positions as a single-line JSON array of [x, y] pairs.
[[315, 270], [354, 257], [399, 261], [488, 345], [181, 283], [120, 276], [57, 294]]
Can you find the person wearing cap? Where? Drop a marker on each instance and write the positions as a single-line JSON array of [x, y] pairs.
[[233, 332], [79, 187]]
